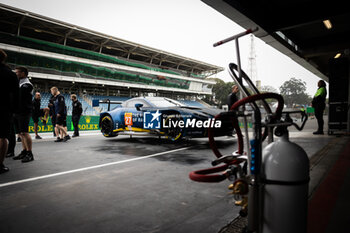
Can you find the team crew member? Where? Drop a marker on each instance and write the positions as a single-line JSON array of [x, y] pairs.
[[60, 111], [24, 114], [12, 141], [76, 114], [38, 113], [232, 97], [319, 104], [52, 114], [8, 101], [304, 111]]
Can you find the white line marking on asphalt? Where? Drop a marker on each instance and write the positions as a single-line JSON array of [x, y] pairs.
[[89, 168]]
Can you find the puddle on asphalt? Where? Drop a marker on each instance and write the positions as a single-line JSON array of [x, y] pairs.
[[147, 146], [183, 159]]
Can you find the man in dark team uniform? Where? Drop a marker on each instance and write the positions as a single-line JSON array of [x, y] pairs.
[[76, 114], [9, 102], [24, 114], [60, 110], [52, 114], [232, 97], [38, 113]]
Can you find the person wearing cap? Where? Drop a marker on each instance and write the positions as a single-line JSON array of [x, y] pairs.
[[76, 114]]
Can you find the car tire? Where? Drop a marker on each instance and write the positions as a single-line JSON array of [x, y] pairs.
[[173, 134], [107, 126]]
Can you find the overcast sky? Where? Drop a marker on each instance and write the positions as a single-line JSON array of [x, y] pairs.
[[185, 27]]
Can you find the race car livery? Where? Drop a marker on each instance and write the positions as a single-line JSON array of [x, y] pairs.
[[162, 116]]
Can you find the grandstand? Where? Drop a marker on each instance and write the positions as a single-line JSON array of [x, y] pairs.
[[95, 65], [87, 109]]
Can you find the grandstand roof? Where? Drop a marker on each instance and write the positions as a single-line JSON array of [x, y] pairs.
[[21, 22]]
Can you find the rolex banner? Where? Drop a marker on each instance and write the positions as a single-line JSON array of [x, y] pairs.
[[85, 123]]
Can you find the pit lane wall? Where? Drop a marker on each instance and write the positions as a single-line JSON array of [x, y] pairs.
[[85, 123]]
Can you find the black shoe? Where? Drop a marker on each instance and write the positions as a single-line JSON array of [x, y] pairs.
[[3, 169], [21, 155], [19, 139], [29, 157], [66, 138], [11, 154], [38, 137], [75, 135], [59, 140], [318, 132]]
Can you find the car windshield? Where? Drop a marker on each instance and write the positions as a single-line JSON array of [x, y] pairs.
[[165, 102]]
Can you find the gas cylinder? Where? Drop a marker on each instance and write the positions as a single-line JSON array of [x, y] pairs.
[[285, 174]]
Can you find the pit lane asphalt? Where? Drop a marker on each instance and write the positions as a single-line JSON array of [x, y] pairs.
[[153, 194], [97, 184]]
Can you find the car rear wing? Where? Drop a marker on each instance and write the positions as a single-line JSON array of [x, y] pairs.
[[97, 102]]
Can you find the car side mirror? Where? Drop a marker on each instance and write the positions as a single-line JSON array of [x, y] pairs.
[[138, 106]]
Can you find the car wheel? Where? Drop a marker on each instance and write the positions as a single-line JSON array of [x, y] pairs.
[[174, 133], [107, 126]]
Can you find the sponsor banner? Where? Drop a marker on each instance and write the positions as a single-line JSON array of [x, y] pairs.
[[85, 123], [310, 110], [250, 125]]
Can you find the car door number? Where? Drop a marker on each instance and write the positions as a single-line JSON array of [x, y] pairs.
[[128, 118]]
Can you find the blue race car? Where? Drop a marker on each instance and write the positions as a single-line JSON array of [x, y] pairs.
[[161, 116]]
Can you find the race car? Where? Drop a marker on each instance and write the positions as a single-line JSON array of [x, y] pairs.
[[161, 116]]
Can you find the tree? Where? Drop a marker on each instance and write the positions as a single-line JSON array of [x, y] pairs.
[[270, 89], [267, 88], [294, 92], [220, 91]]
